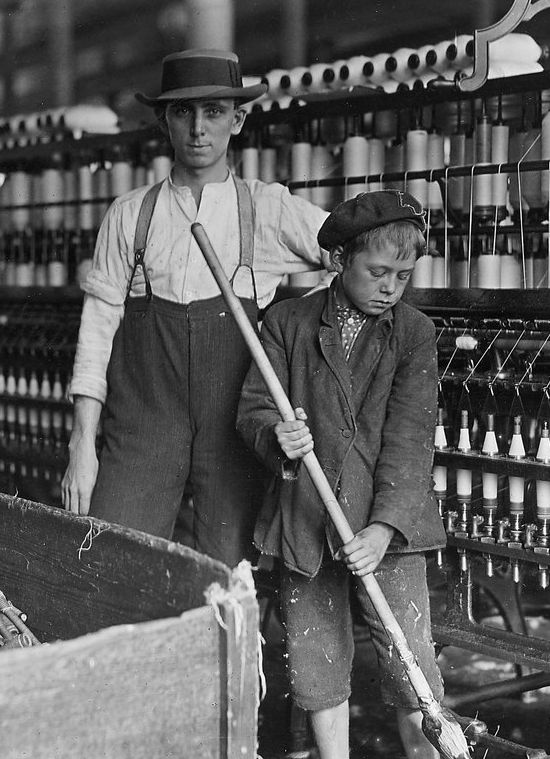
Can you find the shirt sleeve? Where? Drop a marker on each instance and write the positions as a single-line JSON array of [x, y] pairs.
[[98, 325], [287, 227], [103, 307], [298, 227], [403, 478]]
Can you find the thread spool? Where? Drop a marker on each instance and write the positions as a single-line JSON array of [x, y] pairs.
[[490, 448], [510, 268], [88, 118], [545, 156], [441, 60], [331, 76], [322, 166], [488, 270], [459, 53], [503, 69], [422, 272], [5, 217], [482, 190], [281, 104], [37, 212], [515, 46], [420, 82], [500, 136], [417, 160], [464, 476], [516, 150], [85, 193], [435, 160], [530, 261], [85, 257], [53, 191], [407, 63], [385, 124], [313, 78], [70, 183], [439, 473], [377, 161], [459, 263], [469, 155], [250, 162], [352, 72], [427, 56], [375, 70], [139, 177], [161, 162], [57, 260], [268, 164], [20, 195], [273, 81], [290, 82], [455, 185], [531, 180], [540, 265], [355, 163], [395, 162], [122, 175], [300, 166], [543, 486], [393, 85], [439, 279], [101, 180], [24, 266]]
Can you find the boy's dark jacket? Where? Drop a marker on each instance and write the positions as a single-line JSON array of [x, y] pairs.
[[372, 422]]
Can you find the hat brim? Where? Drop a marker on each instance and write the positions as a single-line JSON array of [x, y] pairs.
[[243, 94]]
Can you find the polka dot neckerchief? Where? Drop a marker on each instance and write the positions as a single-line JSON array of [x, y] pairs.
[[350, 321]]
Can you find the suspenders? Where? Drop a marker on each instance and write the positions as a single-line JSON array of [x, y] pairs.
[[246, 228], [140, 241]]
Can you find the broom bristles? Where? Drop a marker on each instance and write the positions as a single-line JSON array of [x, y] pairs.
[[444, 732]]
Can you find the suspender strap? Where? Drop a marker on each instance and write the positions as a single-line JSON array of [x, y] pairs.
[[140, 240], [246, 227]]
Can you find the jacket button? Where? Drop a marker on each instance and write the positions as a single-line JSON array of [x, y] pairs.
[[346, 433]]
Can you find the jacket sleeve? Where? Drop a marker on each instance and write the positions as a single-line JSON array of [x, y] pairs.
[[257, 413], [402, 478]]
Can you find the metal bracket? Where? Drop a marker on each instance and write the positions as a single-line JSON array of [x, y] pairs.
[[521, 10]]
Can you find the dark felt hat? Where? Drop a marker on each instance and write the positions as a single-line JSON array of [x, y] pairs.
[[367, 211], [199, 74]]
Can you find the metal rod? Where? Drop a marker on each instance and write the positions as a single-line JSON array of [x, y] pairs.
[[500, 689]]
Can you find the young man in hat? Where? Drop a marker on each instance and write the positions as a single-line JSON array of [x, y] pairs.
[[157, 345], [360, 366]]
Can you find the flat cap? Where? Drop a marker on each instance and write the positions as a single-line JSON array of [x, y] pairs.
[[367, 211]]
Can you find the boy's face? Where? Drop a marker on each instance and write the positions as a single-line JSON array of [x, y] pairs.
[[374, 280], [200, 130]]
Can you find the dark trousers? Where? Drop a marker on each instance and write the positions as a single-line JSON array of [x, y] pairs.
[[174, 381]]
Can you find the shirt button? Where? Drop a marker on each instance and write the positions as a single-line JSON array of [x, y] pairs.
[[346, 433]]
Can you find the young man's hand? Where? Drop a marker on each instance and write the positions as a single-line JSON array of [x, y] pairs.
[[294, 437], [365, 552]]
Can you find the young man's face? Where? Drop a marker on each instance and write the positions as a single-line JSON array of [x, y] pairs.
[[374, 279], [200, 130]]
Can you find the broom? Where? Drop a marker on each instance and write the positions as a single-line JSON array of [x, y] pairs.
[[438, 725]]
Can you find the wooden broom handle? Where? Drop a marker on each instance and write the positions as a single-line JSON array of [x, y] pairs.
[[311, 462]]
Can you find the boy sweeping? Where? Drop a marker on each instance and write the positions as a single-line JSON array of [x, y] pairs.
[[360, 366]]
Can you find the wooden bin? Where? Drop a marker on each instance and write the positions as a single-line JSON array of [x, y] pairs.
[[152, 648]]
